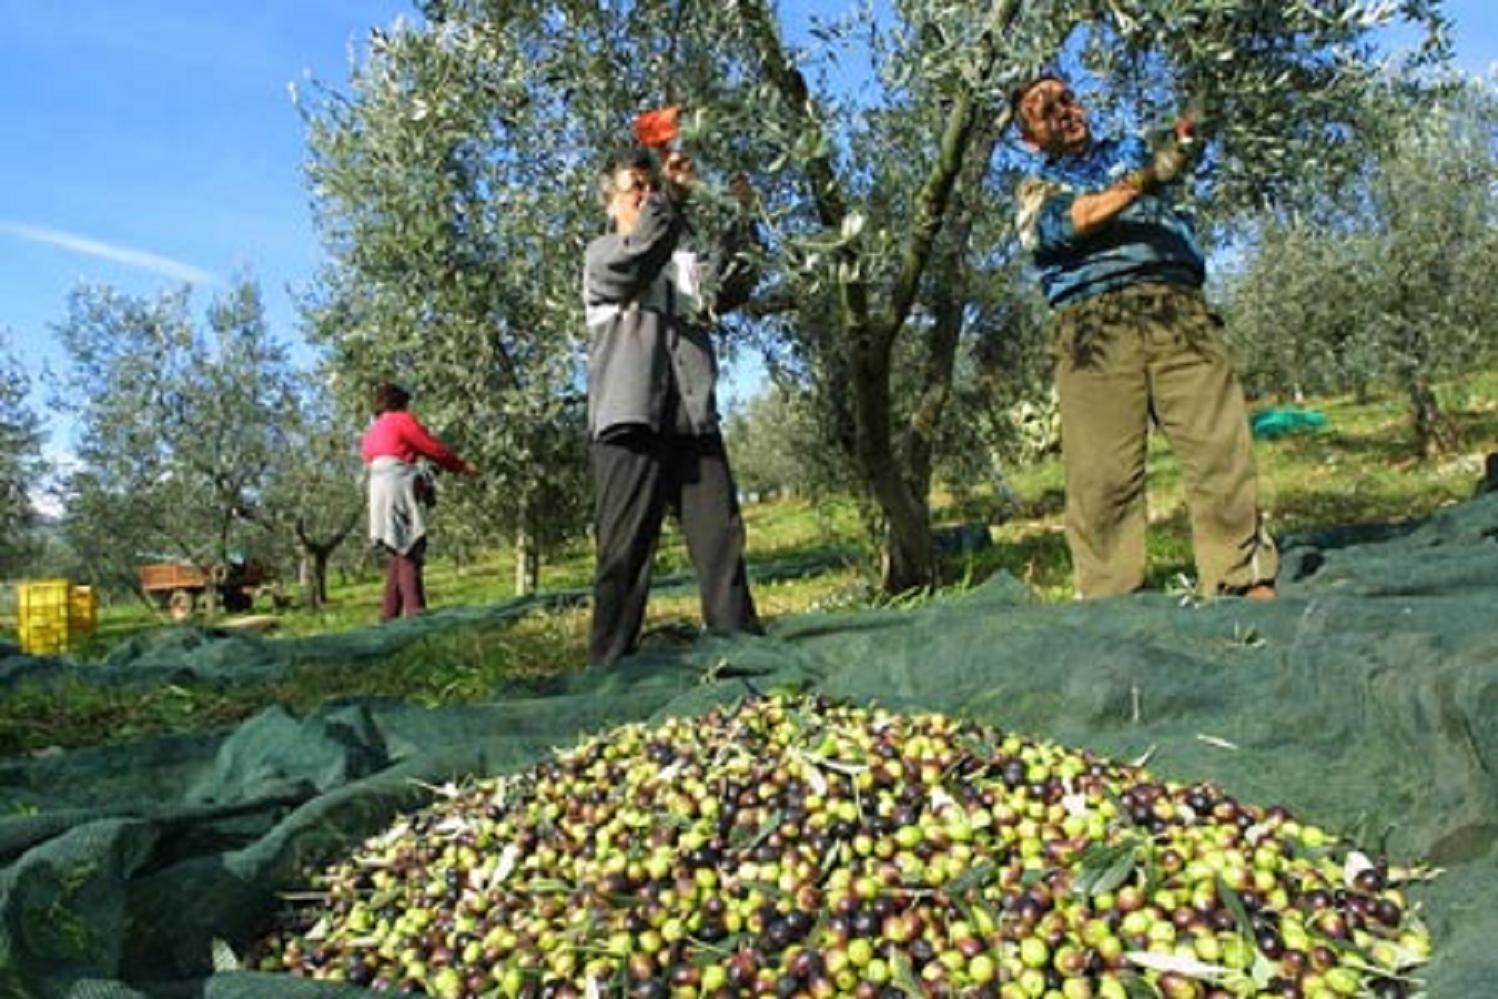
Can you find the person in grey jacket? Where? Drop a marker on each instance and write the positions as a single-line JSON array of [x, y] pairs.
[[652, 411]]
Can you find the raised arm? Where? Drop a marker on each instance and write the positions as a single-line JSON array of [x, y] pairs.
[[1052, 218], [619, 267], [421, 440], [1090, 213]]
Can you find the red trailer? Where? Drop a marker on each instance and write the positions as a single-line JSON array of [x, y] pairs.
[[179, 588]]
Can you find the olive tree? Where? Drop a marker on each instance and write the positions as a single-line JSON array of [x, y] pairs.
[[1294, 310], [1386, 277], [21, 463], [178, 426], [314, 499], [453, 219], [779, 447], [1430, 225]]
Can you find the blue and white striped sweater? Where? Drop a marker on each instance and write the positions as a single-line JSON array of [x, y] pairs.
[[1150, 241]]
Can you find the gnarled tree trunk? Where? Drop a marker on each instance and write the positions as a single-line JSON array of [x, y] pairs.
[[316, 552], [1434, 432], [870, 336], [527, 562]]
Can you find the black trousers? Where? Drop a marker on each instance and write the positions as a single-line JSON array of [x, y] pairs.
[[638, 476]]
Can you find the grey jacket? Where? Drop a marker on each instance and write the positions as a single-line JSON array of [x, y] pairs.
[[650, 305]]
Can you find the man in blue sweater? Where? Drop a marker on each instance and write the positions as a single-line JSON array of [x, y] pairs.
[[1133, 340]]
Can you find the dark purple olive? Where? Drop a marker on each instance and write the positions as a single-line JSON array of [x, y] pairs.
[[1269, 943]]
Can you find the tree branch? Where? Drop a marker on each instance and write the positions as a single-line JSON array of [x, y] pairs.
[[935, 194], [949, 297], [772, 303], [826, 190], [332, 541]]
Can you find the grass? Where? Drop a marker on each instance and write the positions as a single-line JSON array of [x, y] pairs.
[[1360, 469], [806, 555]]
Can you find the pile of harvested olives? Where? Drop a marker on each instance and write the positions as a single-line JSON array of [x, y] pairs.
[[800, 847]]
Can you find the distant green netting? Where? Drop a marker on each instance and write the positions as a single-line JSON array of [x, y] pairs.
[[1366, 699], [1270, 424]]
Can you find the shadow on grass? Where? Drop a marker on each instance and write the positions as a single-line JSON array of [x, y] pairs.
[[1039, 560], [1479, 425], [806, 562], [1050, 502], [1352, 448], [800, 564], [1390, 444], [1312, 514], [1042, 561]]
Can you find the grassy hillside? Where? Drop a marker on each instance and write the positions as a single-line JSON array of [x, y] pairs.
[[1359, 469]]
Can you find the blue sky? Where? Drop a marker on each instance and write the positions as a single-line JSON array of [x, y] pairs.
[[148, 142]]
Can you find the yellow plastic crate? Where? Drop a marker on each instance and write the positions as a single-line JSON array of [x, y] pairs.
[[43, 609], [83, 610]]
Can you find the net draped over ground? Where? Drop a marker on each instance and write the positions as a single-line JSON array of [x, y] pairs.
[[1366, 700]]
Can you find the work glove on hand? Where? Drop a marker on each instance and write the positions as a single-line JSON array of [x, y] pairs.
[[1168, 163], [680, 173]]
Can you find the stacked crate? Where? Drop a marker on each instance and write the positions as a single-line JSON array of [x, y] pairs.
[[52, 613], [83, 610]]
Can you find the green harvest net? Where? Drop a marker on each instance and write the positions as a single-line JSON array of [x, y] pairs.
[[1272, 424], [1366, 699]]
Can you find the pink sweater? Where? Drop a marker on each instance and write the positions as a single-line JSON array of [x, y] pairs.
[[398, 434]]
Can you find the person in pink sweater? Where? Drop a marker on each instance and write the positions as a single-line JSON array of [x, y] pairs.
[[391, 447]]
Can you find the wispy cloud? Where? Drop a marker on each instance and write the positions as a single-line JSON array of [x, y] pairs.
[[129, 256]]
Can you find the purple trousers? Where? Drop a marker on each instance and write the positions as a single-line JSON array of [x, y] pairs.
[[405, 592]]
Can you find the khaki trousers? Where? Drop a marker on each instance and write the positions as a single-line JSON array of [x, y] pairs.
[[1122, 358]]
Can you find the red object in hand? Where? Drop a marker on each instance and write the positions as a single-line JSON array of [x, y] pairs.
[[658, 129], [1185, 129]]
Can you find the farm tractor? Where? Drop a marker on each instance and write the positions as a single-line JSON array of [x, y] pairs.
[[181, 589]]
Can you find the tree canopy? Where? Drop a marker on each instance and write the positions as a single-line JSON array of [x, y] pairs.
[[1388, 276], [21, 463], [179, 427]]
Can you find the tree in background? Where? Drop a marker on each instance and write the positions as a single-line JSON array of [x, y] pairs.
[[779, 448], [178, 428], [1002, 392], [21, 463], [454, 184], [315, 501], [453, 224], [795, 436], [1431, 220], [1388, 278], [1295, 311]]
